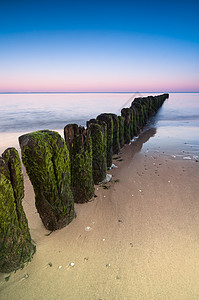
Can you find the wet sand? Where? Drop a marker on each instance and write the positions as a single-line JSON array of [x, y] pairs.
[[138, 239]]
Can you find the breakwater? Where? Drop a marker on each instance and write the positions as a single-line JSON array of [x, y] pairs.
[[64, 172]]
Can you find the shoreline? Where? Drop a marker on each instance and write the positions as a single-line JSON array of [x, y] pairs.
[[142, 246]]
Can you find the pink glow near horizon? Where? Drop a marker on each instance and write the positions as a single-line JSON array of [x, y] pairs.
[[100, 70], [95, 83]]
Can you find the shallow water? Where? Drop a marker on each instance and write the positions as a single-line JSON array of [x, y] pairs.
[[177, 127], [176, 124]]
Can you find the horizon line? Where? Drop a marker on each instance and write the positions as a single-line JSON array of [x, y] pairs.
[[97, 92]]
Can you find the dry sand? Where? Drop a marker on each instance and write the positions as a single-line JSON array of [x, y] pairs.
[[139, 239]]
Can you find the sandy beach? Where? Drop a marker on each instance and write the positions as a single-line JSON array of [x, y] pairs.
[[138, 239], [79, 82]]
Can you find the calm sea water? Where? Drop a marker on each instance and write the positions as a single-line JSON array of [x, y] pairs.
[[177, 127], [176, 124]]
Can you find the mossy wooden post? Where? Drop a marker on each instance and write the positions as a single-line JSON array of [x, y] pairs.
[[121, 131], [79, 143], [144, 104], [131, 124], [138, 104], [109, 122], [138, 118], [155, 103], [135, 127], [47, 162], [116, 134], [16, 247], [148, 107], [151, 109], [126, 114], [139, 110], [99, 141]]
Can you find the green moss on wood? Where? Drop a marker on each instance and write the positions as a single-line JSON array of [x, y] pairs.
[[148, 106], [131, 124], [140, 112], [116, 134], [121, 130], [46, 158], [136, 117], [109, 122], [12, 157], [99, 141], [15, 241], [135, 127], [126, 114], [79, 142]]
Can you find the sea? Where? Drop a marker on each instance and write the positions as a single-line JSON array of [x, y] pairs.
[[174, 129]]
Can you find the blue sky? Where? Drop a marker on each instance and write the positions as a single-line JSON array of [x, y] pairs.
[[99, 46]]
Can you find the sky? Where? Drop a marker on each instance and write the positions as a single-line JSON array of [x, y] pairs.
[[99, 46]]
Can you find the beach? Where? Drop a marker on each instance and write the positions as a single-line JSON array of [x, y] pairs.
[[138, 239], [99, 150]]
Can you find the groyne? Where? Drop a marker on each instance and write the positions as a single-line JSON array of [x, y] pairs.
[[62, 172]]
